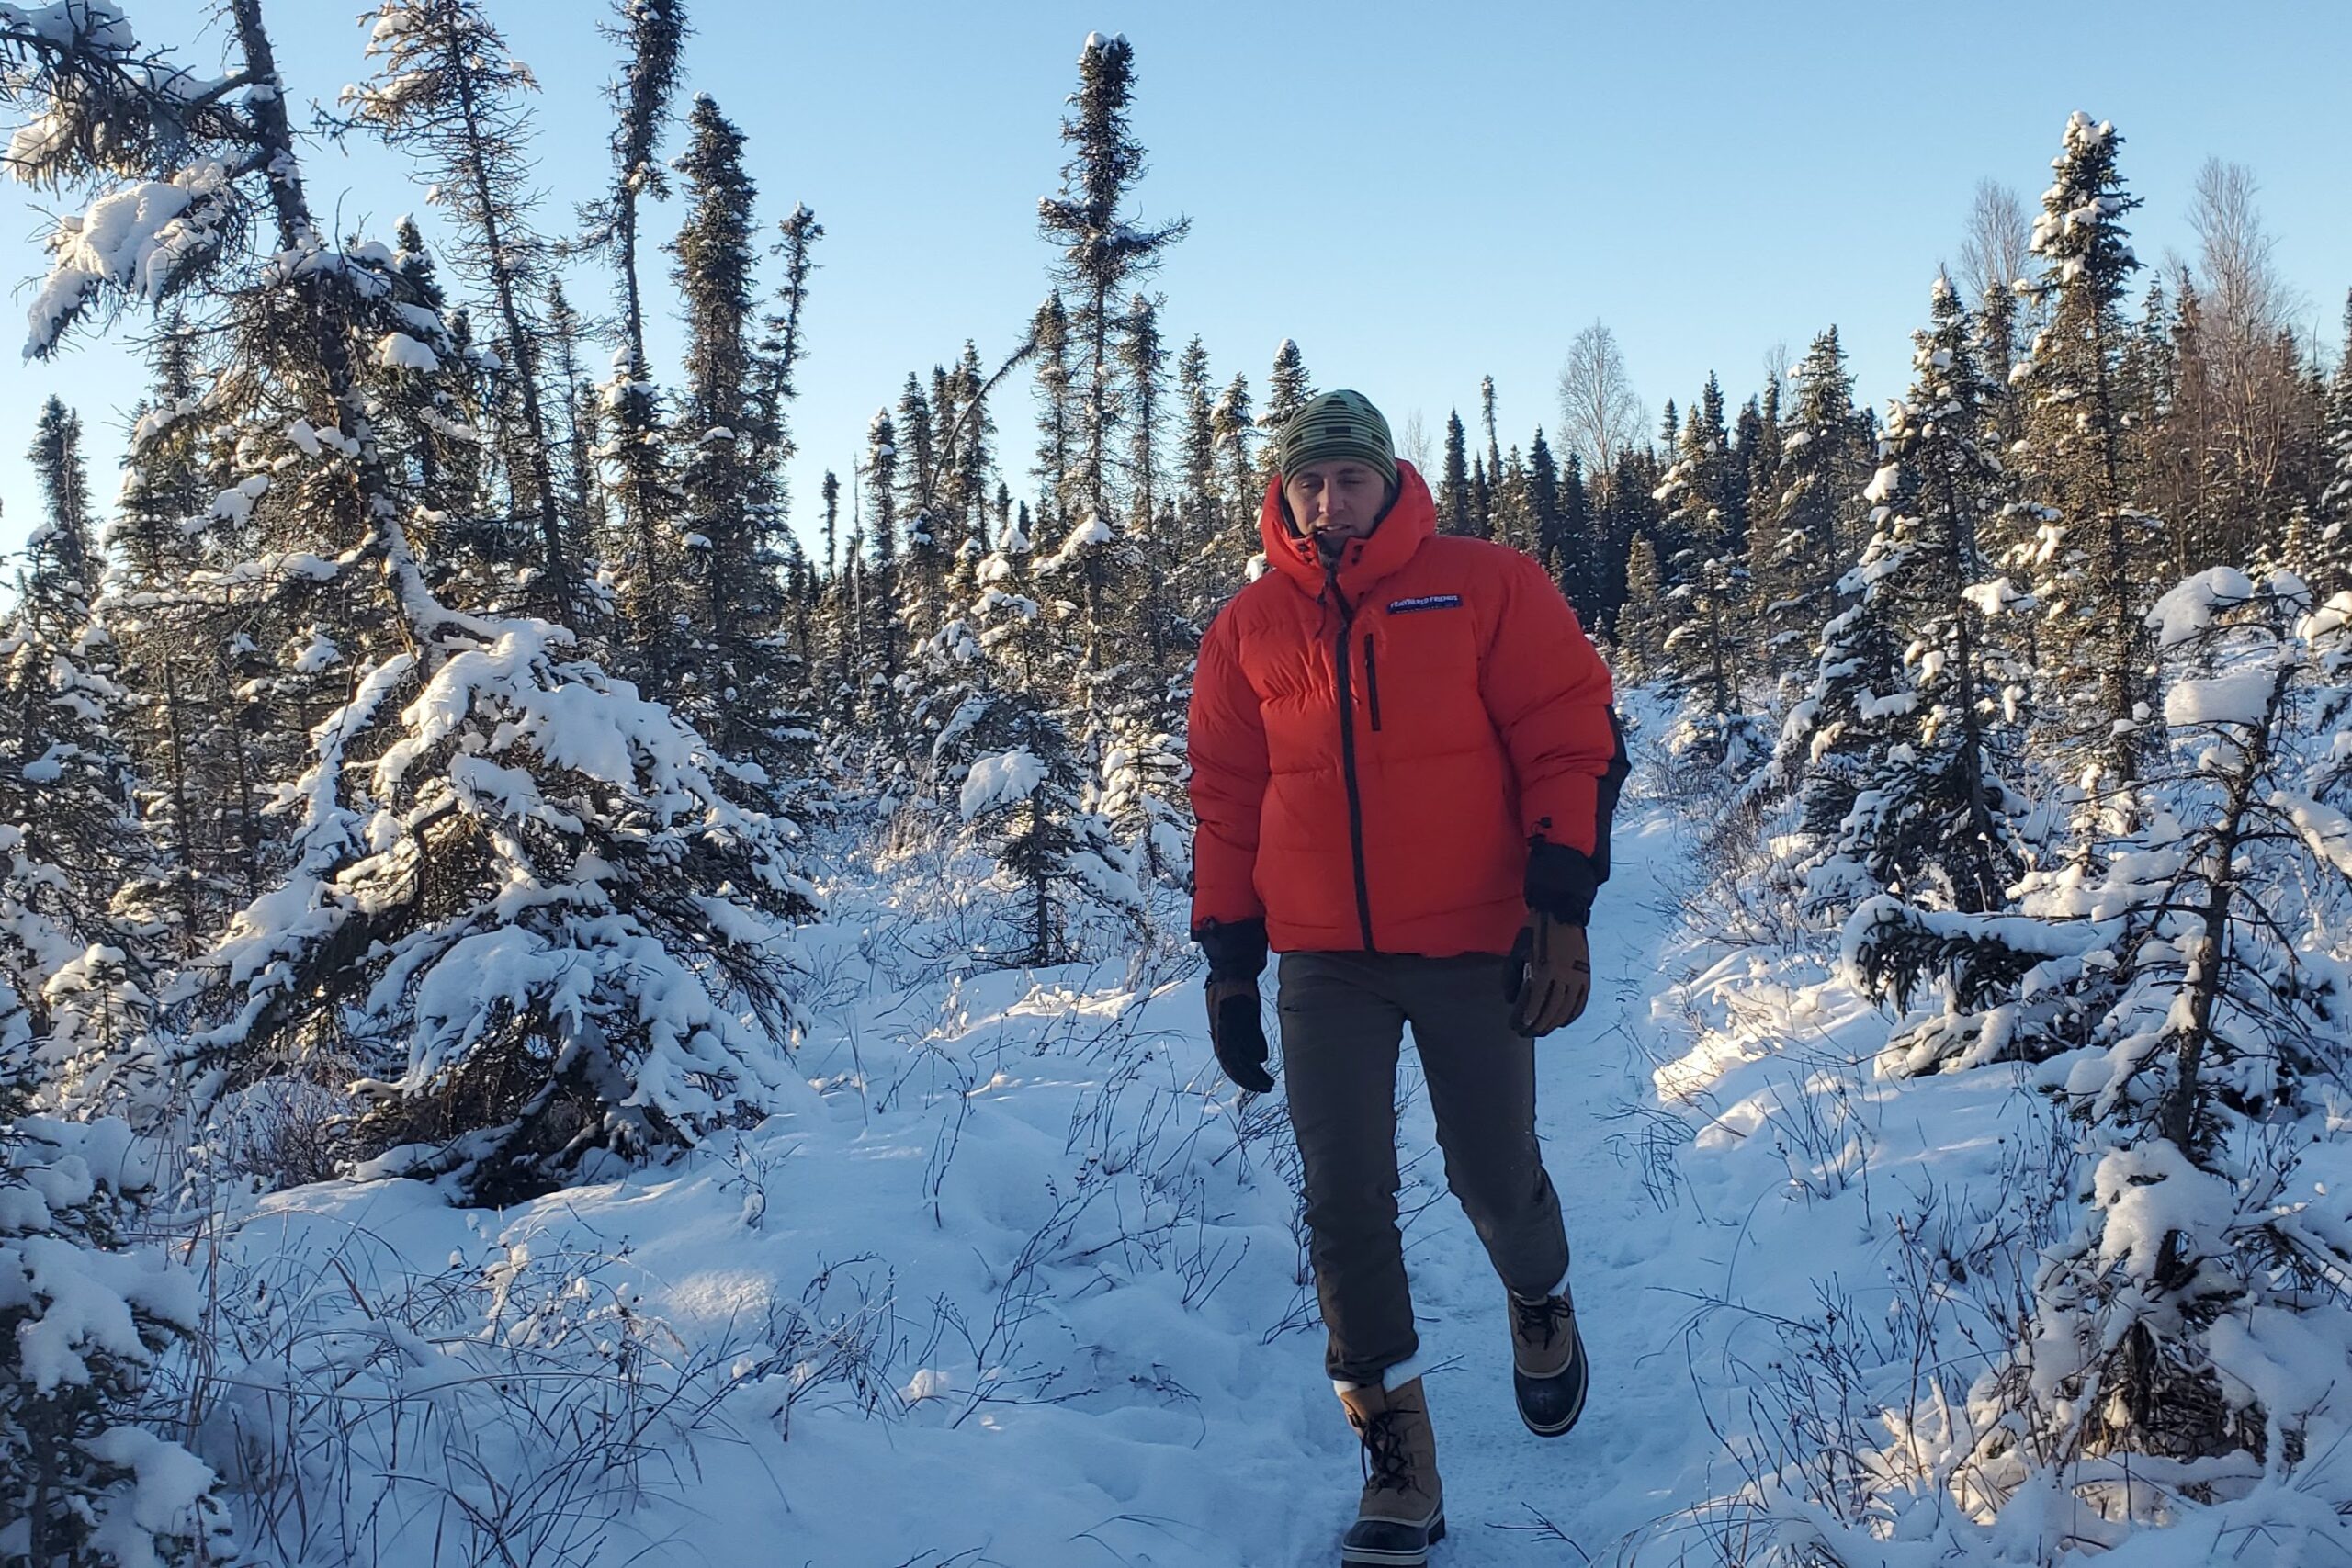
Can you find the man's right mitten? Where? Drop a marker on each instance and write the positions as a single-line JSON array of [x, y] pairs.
[[1238, 1034], [1237, 955]]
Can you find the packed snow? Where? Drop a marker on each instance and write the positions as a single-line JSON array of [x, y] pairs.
[[1023, 1229]]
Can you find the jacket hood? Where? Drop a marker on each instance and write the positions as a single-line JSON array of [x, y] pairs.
[[1411, 518]]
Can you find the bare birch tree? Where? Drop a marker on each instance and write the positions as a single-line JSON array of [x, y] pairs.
[[2251, 364], [1600, 415], [1995, 247]]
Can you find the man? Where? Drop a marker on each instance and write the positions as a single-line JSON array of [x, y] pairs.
[[1404, 766]]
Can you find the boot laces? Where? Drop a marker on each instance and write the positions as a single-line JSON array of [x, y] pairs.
[[1386, 1466], [1543, 1321]]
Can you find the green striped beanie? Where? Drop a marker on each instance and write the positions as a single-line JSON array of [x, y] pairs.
[[1333, 427]]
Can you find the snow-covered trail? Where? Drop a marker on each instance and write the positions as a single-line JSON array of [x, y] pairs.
[[1073, 1323], [1642, 1449]]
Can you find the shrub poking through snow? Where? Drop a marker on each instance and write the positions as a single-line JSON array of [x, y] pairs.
[[1002, 760], [1020, 798], [81, 1321], [2190, 1014], [1141, 787]]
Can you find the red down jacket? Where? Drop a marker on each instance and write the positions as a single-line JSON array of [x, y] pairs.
[[1376, 745]]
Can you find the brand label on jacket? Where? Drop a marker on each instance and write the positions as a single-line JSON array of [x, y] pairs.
[[1425, 602]]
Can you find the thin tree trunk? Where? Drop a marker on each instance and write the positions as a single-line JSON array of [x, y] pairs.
[[554, 561], [1959, 547], [2177, 1113], [183, 835]]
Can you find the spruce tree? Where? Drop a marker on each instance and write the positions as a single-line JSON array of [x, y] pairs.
[[1006, 761], [2168, 976], [1640, 642], [647, 549], [430, 433], [968, 445], [1057, 411], [1626, 513], [1546, 517], [2170, 415], [2095, 650], [879, 622], [85, 1322], [1144, 358], [1931, 816], [1797, 559], [1287, 391], [1453, 509], [786, 341], [652, 37], [1198, 510], [1508, 520], [509, 904], [164, 631], [1835, 736], [1244, 490], [1104, 255], [739, 694], [1486, 422], [640, 532], [840, 573], [445, 86], [1704, 578], [1576, 557], [1759, 450], [2330, 563], [587, 520], [75, 855], [923, 567], [1482, 500]]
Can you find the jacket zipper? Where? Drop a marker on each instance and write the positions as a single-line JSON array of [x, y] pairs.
[[1345, 663], [1372, 681]]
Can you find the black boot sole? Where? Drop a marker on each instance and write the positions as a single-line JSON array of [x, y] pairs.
[[1393, 1557], [1558, 1428], [1558, 1425]]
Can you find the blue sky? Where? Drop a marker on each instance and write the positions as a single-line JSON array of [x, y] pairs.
[[1418, 194]]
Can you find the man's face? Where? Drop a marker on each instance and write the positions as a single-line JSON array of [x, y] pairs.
[[1336, 500]]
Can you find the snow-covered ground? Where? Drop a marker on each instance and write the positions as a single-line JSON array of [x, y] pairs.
[[1027, 1287]]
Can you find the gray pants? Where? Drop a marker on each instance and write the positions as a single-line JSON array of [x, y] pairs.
[[1343, 1016]]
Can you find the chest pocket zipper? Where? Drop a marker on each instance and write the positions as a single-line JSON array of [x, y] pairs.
[[1371, 681]]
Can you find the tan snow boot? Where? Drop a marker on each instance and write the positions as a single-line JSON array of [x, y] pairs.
[[1403, 1510], [1548, 1372]]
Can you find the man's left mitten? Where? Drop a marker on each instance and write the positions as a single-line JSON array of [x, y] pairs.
[[1549, 976]]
